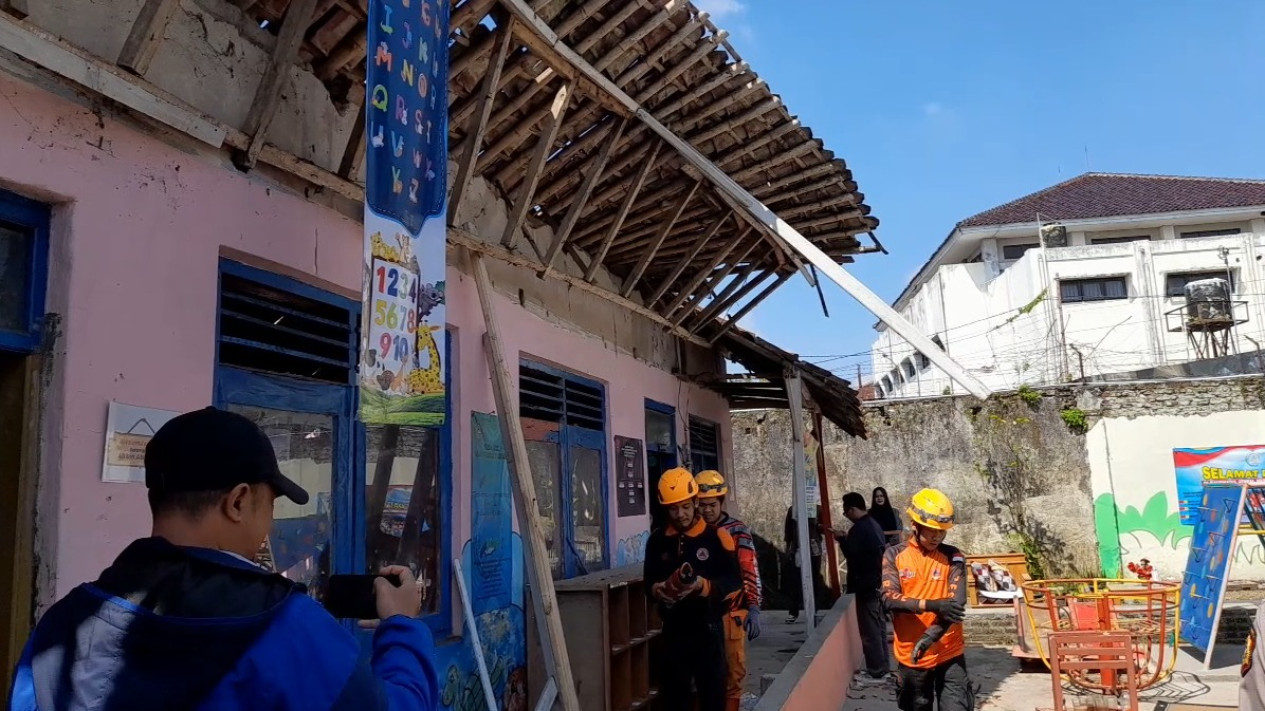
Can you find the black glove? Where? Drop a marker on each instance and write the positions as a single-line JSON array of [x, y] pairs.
[[921, 648], [949, 610]]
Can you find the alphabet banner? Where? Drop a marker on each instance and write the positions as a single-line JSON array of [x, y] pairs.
[[402, 334]]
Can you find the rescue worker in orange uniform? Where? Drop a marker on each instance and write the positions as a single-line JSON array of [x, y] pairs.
[[924, 587], [742, 621], [691, 570]]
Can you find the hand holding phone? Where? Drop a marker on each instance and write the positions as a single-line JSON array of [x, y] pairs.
[[373, 597], [401, 597]]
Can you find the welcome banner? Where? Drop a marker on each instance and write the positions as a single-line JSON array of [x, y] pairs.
[[1196, 467], [402, 323]]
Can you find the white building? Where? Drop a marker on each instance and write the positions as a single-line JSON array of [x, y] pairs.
[[1105, 294]]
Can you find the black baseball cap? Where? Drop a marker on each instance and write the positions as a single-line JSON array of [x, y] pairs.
[[213, 450]]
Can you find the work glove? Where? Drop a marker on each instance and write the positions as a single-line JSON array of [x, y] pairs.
[[949, 610], [921, 648], [753, 622]]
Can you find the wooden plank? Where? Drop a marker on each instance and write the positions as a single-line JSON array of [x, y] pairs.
[[578, 203], [631, 282], [746, 309], [146, 34], [17, 8], [544, 147], [737, 288], [540, 577], [354, 151], [789, 238], [681, 264], [701, 276], [459, 237], [629, 199], [474, 139], [101, 78], [795, 398], [268, 94]]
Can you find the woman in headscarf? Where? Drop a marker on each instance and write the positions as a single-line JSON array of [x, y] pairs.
[[881, 511]]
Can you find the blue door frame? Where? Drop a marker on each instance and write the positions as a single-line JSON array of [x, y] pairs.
[[32, 218]]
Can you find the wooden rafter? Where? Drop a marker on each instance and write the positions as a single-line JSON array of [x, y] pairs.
[[563, 235], [690, 308], [600, 255], [354, 151], [544, 146], [747, 307], [146, 33], [682, 264], [263, 107], [474, 138], [702, 275], [730, 295], [635, 277], [17, 8]]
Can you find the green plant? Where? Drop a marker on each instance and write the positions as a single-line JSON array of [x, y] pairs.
[[947, 390], [1032, 553], [1028, 395], [1075, 420]]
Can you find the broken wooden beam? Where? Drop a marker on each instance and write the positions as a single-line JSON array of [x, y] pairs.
[[544, 146], [474, 138], [268, 95], [146, 34], [17, 8], [630, 197], [648, 256], [563, 234]]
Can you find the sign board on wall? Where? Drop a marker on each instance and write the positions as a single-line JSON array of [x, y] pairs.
[[404, 265], [1195, 468], [128, 429], [630, 477], [1216, 515]]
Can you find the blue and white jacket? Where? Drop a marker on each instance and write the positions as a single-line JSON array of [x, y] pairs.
[[176, 628]]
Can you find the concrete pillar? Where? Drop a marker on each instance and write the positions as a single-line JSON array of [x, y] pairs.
[[1168, 232]]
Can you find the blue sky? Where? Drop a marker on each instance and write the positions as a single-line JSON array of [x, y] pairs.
[[943, 109]]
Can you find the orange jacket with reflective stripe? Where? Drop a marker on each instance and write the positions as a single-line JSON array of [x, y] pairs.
[[911, 577]]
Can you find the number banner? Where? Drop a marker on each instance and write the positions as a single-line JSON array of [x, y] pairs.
[[406, 121]]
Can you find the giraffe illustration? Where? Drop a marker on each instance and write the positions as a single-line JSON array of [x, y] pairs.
[[426, 379]]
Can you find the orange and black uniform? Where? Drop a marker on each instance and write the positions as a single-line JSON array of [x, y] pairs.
[[913, 577], [693, 628]]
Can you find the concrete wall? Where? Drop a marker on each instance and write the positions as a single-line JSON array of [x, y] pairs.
[[138, 230], [1009, 329], [818, 676], [1086, 502]]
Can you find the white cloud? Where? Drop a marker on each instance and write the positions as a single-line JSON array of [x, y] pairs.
[[719, 9]]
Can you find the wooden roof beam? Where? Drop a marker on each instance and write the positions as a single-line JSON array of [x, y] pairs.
[[733, 292], [740, 277], [146, 34], [268, 94], [684, 263], [544, 146], [746, 308], [17, 8], [600, 255], [702, 274], [652, 59], [563, 235], [469, 151], [664, 82], [730, 124], [635, 277], [630, 42], [734, 72]]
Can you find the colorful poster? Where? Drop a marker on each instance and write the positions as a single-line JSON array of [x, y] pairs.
[[406, 114], [491, 518], [1208, 564], [1196, 468]]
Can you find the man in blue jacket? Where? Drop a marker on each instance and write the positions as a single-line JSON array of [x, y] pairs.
[[185, 620]]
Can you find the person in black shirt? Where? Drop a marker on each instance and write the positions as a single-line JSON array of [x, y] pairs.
[[881, 510], [691, 570], [863, 547]]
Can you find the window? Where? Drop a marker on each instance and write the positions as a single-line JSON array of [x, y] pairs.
[[704, 444], [1120, 240], [1012, 252], [564, 420], [886, 385], [1175, 284], [23, 271], [1212, 233], [661, 454], [1102, 289], [907, 366], [923, 361]]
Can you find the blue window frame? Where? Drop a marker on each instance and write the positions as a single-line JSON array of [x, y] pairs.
[[286, 356], [23, 271], [661, 454], [564, 420]]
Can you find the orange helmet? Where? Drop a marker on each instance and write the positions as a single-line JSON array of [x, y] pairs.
[[676, 485], [711, 485]]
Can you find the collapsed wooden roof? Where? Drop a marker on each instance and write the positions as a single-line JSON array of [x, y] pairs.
[[563, 151]]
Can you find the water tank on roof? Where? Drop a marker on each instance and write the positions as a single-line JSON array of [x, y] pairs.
[[1208, 300]]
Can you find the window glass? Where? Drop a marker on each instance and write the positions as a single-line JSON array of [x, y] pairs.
[[1105, 289], [1211, 233], [15, 279], [1015, 251], [1175, 284], [588, 508], [402, 496]]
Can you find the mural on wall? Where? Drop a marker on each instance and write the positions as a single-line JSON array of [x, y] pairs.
[[631, 550], [491, 514], [1197, 467]]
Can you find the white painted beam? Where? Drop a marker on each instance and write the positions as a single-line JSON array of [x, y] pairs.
[[790, 237]]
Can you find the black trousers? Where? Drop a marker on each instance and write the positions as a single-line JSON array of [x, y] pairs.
[[946, 687], [872, 621], [694, 654]]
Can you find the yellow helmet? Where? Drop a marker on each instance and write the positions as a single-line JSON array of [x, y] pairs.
[[711, 485], [675, 486], [932, 509]]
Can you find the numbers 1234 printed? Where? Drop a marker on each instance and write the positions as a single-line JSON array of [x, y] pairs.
[[394, 311]]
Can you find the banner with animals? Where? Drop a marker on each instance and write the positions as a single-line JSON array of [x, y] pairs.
[[402, 324]]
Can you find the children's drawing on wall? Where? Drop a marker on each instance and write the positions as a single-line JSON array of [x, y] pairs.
[[631, 550]]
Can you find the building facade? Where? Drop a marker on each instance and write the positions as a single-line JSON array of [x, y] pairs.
[[156, 257], [1109, 298]]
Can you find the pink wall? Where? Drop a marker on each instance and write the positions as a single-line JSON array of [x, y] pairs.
[[823, 684], [137, 233]]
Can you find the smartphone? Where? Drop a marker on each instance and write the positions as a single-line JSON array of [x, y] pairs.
[[352, 596]]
